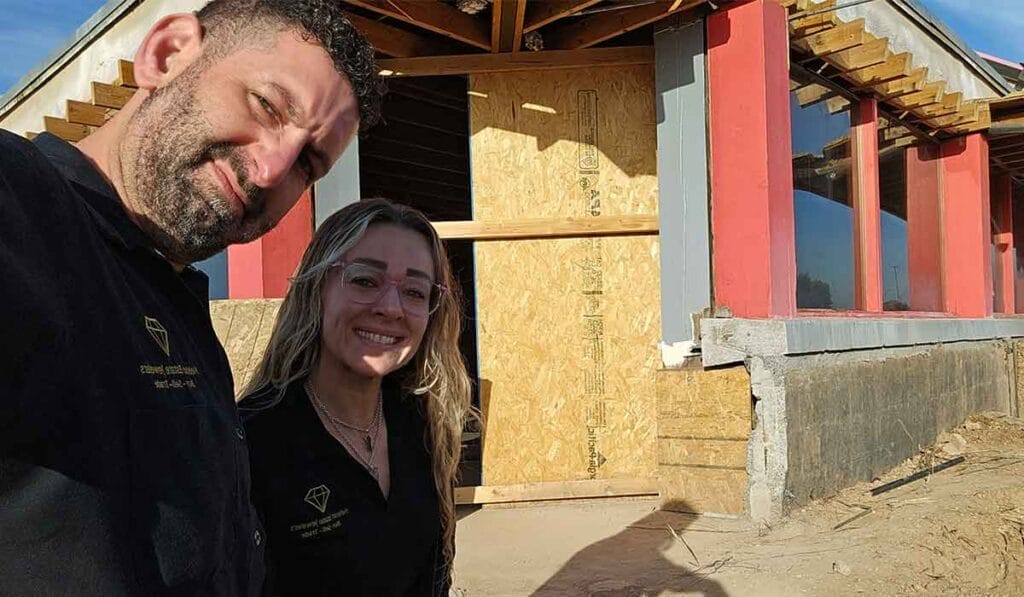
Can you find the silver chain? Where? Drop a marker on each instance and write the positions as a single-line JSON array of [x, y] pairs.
[[339, 426]]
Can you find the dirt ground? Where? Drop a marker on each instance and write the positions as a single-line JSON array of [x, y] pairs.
[[957, 532]]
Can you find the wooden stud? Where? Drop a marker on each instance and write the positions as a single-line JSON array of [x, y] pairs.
[[521, 61], [111, 96], [89, 114], [592, 30], [543, 13], [434, 16], [396, 42], [65, 130], [625, 225]]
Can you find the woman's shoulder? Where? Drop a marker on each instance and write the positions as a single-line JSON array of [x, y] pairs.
[[268, 406]]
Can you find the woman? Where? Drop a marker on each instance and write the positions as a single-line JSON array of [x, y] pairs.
[[354, 416]]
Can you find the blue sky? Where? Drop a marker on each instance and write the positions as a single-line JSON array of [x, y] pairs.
[[33, 29], [30, 30]]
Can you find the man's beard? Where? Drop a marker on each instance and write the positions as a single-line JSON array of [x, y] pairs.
[[187, 216]]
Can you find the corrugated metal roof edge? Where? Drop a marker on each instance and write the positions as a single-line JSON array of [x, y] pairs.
[[934, 26], [107, 15]]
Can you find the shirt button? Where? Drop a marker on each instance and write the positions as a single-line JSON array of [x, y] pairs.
[[239, 433], [257, 537]]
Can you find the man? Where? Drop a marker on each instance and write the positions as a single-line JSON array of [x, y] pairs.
[[123, 465]]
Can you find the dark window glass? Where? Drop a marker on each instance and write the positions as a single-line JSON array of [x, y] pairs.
[[821, 195], [892, 182]]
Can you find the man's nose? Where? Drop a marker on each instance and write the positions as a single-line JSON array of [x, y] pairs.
[[273, 161]]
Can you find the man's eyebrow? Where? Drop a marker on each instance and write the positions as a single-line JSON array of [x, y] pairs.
[[295, 115]]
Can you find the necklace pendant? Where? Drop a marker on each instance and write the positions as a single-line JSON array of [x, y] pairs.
[[368, 442]]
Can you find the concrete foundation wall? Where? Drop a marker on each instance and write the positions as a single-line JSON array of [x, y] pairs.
[[850, 416]]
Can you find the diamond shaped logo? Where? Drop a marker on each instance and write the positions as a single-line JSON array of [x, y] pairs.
[[317, 497], [159, 333]]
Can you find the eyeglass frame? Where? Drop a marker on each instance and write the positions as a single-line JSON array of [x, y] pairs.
[[394, 283]]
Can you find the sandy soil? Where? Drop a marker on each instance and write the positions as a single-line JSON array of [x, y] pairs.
[[958, 532]]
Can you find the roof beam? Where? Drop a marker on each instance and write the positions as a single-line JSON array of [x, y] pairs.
[[507, 18], [519, 61], [546, 12], [396, 42], [433, 16], [592, 30]]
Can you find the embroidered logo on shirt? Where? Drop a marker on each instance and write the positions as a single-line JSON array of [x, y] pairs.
[[317, 497], [159, 334]]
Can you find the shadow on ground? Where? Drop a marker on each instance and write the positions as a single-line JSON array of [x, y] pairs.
[[647, 558]]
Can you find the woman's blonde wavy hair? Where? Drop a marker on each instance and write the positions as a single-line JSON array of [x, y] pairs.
[[436, 376]]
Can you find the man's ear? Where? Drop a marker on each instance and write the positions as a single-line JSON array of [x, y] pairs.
[[173, 43]]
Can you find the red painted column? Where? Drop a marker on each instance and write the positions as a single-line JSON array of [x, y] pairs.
[[966, 227], [263, 267], [924, 253], [1002, 215], [753, 253], [867, 213]]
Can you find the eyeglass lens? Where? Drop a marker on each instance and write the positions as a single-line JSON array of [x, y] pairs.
[[365, 284]]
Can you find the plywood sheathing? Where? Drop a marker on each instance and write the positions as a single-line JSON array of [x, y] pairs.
[[869, 67], [243, 328], [568, 328], [704, 422]]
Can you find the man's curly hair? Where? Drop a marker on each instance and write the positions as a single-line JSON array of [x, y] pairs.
[[229, 23]]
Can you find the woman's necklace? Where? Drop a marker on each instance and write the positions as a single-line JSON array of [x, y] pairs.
[[370, 434]]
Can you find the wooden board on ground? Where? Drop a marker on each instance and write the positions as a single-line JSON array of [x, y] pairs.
[[568, 328]]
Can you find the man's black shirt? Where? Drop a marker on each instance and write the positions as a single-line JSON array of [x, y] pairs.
[[330, 530], [123, 464]]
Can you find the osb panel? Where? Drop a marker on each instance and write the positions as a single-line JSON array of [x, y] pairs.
[[568, 328], [243, 328], [727, 453], [711, 404], [721, 491]]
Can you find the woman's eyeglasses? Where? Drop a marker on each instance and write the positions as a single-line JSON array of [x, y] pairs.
[[366, 284]]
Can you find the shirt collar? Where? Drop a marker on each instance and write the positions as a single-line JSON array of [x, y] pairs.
[[106, 207], [102, 200]]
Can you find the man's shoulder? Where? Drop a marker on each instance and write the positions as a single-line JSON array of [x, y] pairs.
[[23, 167]]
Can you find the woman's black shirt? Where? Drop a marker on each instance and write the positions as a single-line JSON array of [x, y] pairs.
[[330, 530]]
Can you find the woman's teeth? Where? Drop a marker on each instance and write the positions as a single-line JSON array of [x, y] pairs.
[[378, 338]]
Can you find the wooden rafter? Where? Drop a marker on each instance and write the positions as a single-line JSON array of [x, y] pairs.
[[396, 42], [507, 17], [434, 16], [545, 12], [592, 30], [870, 67]]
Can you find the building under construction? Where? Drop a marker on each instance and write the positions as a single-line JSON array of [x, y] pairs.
[[738, 254]]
